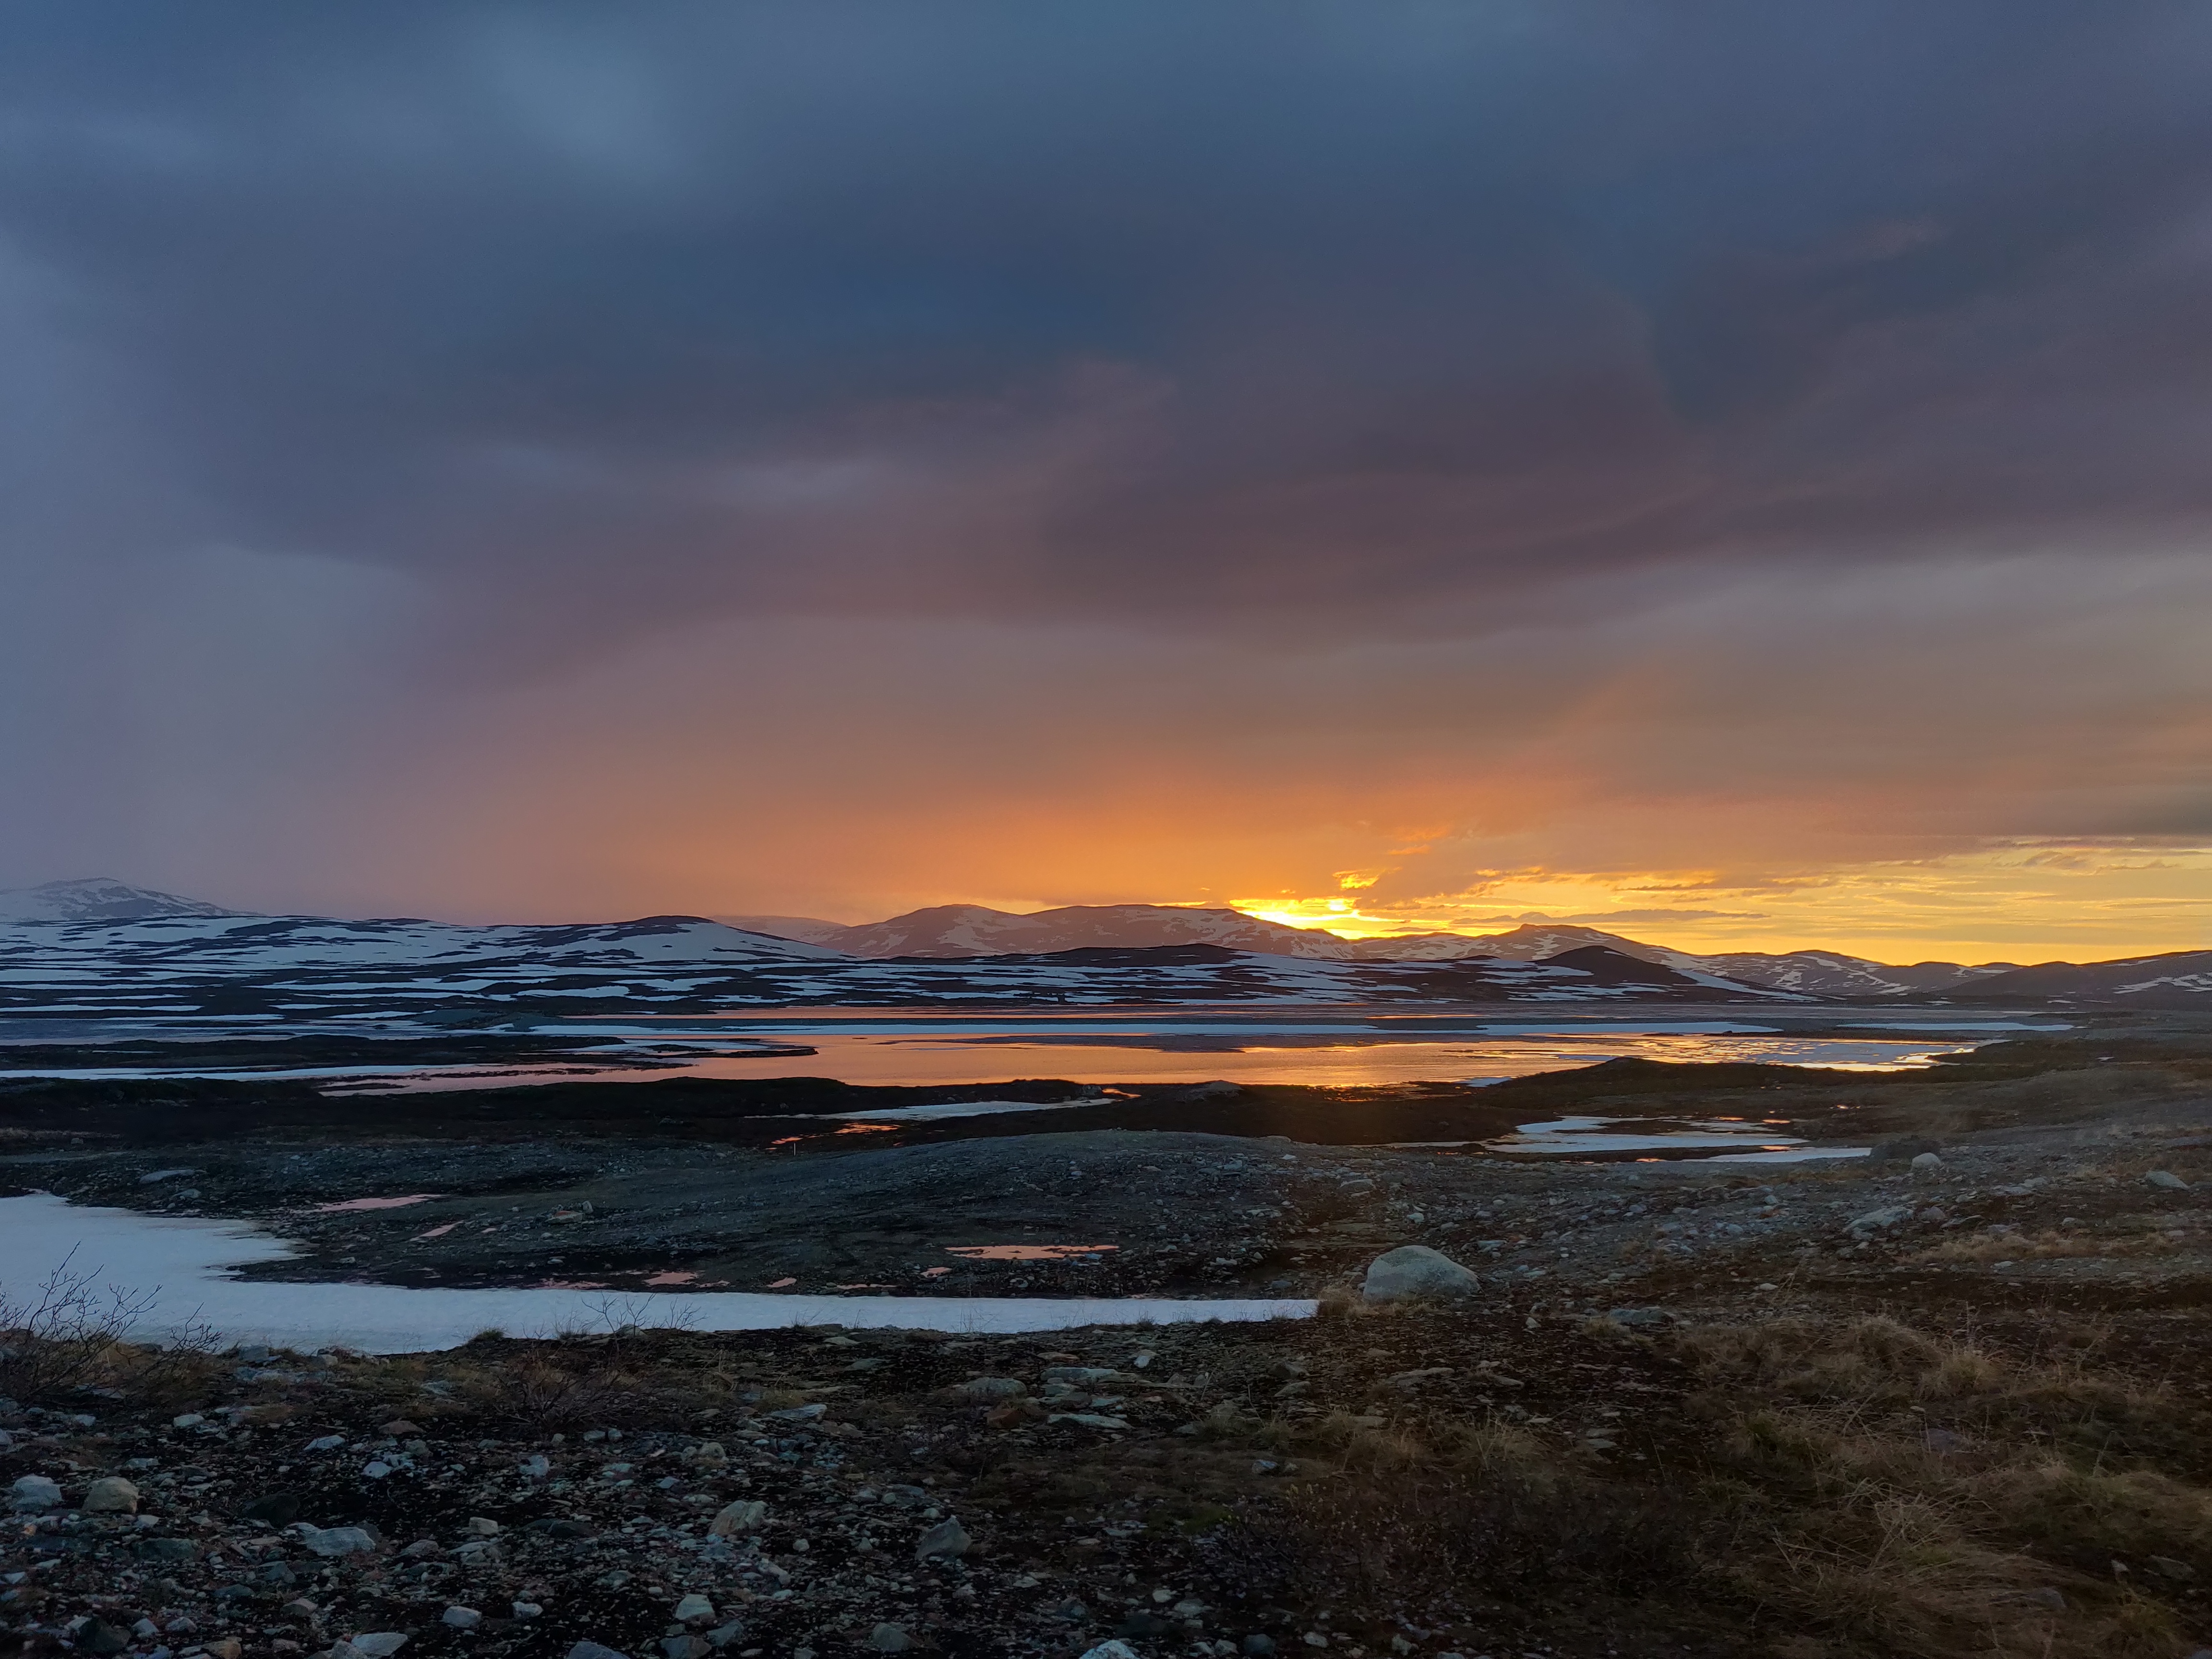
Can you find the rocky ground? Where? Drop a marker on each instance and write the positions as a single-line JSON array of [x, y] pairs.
[[1951, 1399]]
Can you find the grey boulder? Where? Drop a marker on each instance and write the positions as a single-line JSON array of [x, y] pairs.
[[947, 1537], [1412, 1270]]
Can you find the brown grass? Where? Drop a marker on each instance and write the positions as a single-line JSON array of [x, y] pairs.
[[1863, 1489]]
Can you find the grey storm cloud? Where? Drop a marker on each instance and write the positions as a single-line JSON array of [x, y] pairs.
[[594, 317]]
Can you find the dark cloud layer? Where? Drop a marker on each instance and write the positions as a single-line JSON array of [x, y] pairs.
[[1810, 380], [614, 313]]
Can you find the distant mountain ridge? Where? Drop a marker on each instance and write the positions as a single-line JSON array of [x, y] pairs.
[[971, 930], [99, 898], [159, 943]]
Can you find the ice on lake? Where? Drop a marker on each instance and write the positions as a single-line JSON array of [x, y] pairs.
[[183, 1263]]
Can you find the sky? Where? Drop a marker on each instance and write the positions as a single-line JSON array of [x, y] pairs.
[[1735, 473]]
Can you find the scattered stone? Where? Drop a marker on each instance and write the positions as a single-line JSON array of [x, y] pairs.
[[2167, 1567], [593, 1650], [98, 1636], [2167, 1179], [1927, 1163], [889, 1639], [526, 1609], [1641, 1318], [328, 1443], [461, 1618], [947, 1537], [111, 1495], [1111, 1650], [1415, 1270], [482, 1526], [279, 1508], [694, 1609], [1876, 1220], [378, 1644], [988, 1391], [33, 1493], [2048, 1596], [337, 1540], [188, 1420], [746, 1514]]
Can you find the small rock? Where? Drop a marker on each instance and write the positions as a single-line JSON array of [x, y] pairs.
[[277, 1509], [225, 1646], [32, 1492], [527, 1609], [1257, 1646], [593, 1650], [1640, 1318], [1875, 1220], [379, 1644], [746, 1514], [947, 1537], [2167, 1179], [694, 1609], [2167, 1567], [328, 1443], [1414, 1270], [399, 1428], [889, 1639], [98, 1636], [111, 1495], [482, 1526], [1116, 1649], [461, 1618], [189, 1421], [986, 1390], [1927, 1163], [1080, 1376], [338, 1541], [800, 1413], [376, 1468], [2048, 1596]]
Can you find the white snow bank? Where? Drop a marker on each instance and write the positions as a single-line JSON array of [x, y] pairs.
[[181, 1261]]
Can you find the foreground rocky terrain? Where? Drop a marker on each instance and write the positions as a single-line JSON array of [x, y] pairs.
[[1949, 1399]]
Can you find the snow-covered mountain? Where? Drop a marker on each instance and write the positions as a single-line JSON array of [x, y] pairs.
[[2174, 979], [289, 971], [97, 898], [976, 930], [68, 959]]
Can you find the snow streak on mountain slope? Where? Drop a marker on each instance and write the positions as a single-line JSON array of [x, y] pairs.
[[97, 899], [1830, 973]]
